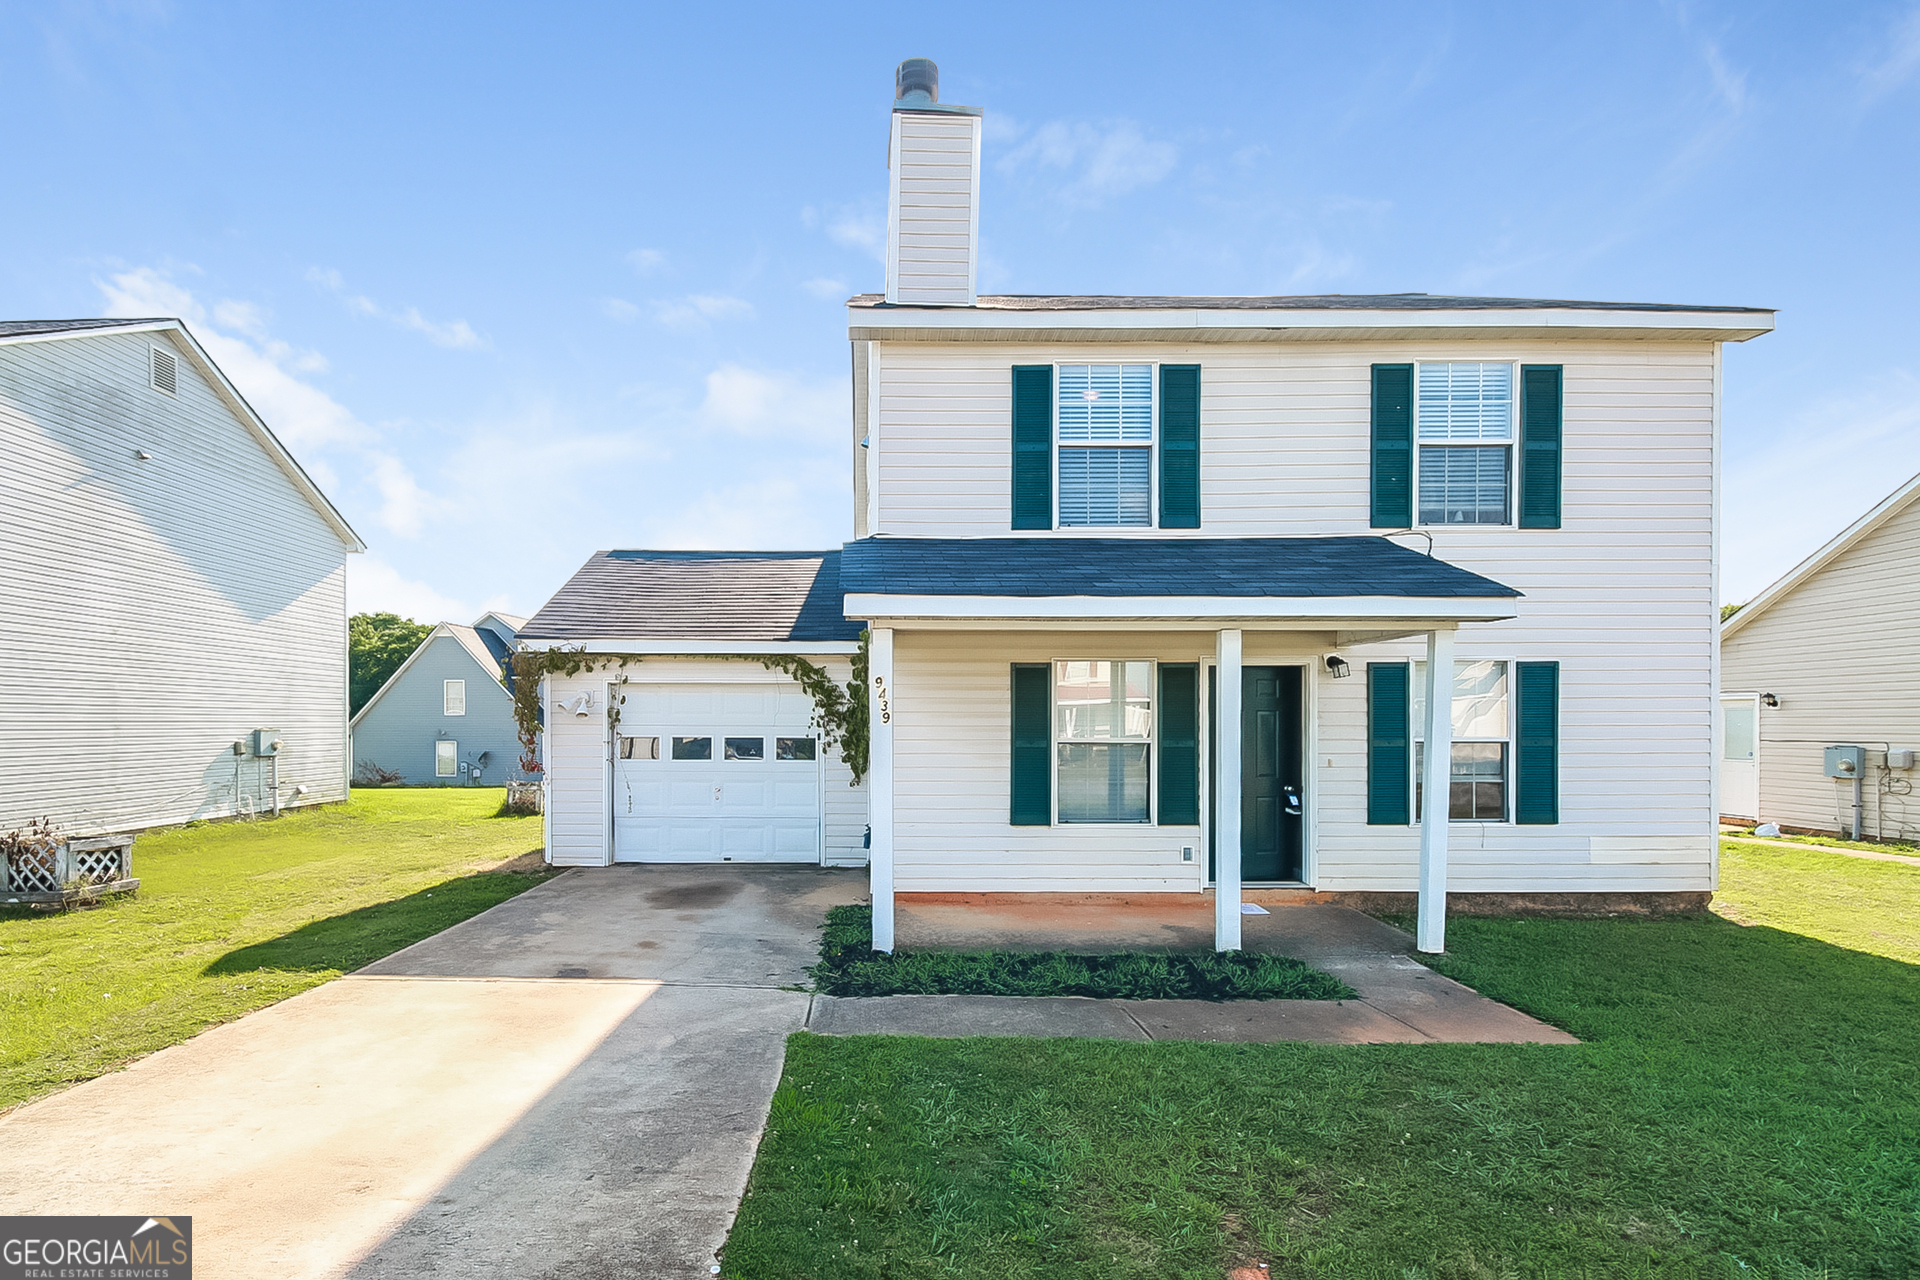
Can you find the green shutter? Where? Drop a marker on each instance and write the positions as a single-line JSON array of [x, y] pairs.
[[1179, 446], [1033, 446], [1032, 771], [1179, 714], [1536, 768], [1540, 446], [1392, 446], [1389, 744]]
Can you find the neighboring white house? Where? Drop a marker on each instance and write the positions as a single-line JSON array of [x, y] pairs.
[[445, 716], [1829, 656], [1092, 530], [173, 583]]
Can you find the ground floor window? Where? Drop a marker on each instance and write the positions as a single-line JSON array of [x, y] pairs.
[[1482, 741], [1103, 740], [446, 758]]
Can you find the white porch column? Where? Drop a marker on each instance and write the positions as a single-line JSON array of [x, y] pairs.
[[1437, 786], [880, 783], [1226, 818]]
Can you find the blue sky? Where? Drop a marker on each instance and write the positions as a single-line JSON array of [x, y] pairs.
[[520, 282]]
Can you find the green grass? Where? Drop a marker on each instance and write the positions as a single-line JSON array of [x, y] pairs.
[[233, 916], [1903, 848], [1746, 1104], [1855, 903], [849, 966]]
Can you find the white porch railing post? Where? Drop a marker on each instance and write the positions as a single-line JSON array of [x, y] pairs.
[[880, 783], [1437, 789], [1226, 818]]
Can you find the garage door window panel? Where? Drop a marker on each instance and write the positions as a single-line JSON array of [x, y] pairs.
[[693, 748], [746, 748], [793, 749]]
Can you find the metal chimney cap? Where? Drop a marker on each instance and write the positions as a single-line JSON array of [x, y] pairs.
[[917, 76]]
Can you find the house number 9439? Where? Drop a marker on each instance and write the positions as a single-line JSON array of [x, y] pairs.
[[882, 704]]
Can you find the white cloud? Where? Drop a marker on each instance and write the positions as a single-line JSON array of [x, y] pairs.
[[762, 405], [862, 227], [1729, 84], [825, 287], [303, 416], [453, 334], [646, 261], [619, 309], [1832, 464], [697, 311], [374, 586], [1102, 161], [1901, 59], [405, 507]]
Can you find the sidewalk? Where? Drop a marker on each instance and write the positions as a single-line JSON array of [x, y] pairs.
[[1400, 1001]]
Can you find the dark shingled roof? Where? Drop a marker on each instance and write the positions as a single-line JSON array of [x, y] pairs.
[[21, 328], [1069, 566], [698, 595], [1292, 302]]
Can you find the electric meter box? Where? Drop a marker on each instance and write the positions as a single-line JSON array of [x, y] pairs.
[[1900, 758], [266, 742], [1846, 762]]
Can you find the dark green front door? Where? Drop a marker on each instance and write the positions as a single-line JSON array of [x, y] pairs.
[[1272, 765]]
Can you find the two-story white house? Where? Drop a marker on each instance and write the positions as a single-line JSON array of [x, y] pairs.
[[1157, 587]]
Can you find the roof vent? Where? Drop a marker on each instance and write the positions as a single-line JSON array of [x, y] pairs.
[[917, 80], [163, 374]]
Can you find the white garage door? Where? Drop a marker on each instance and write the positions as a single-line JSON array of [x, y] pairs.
[[716, 773]]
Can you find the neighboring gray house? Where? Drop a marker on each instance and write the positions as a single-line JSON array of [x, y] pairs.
[[445, 718], [172, 583]]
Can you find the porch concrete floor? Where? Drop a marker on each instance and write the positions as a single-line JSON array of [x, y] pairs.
[[1401, 1000]]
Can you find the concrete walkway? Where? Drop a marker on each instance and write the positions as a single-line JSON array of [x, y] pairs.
[[571, 1084], [1401, 1001]]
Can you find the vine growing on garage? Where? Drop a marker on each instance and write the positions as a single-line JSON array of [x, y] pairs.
[[529, 667], [839, 711]]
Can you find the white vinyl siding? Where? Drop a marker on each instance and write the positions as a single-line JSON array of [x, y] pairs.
[[453, 697], [1839, 652], [157, 610], [1622, 596], [935, 207]]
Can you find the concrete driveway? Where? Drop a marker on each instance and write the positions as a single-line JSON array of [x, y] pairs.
[[571, 1084]]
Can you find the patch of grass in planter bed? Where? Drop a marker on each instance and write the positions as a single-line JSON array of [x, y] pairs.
[[849, 966]]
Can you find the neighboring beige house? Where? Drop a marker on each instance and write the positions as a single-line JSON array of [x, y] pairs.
[[1829, 656], [173, 584], [1153, 586]]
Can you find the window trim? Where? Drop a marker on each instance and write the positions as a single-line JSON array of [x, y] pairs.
[[1417, 740], [453, 757], [1152, 740], [446, 700], [1511, 444], [1150, 447]]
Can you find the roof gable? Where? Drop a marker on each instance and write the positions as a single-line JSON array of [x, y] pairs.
[[1850, 537], [469, 643], [22, 331]]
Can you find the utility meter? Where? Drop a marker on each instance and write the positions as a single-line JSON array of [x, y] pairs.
[[266, 742], [1846, 762]]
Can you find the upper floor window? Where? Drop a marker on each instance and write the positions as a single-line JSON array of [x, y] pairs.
[[1104, 418], [453, 697], [1464, 423]]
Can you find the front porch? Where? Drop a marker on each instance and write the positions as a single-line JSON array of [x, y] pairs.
[[1047, 718]]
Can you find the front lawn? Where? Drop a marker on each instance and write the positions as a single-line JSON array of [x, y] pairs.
[[233, 916], [1744, 1104]]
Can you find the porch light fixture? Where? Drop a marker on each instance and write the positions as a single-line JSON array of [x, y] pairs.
[[1338, 665], [1768, 700]]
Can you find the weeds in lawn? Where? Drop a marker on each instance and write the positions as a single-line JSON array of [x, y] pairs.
[[849, 966]]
